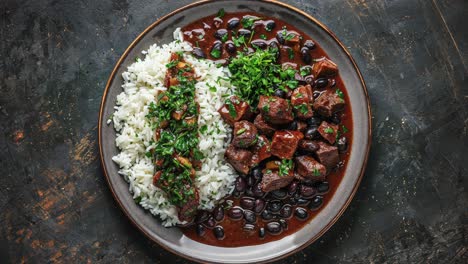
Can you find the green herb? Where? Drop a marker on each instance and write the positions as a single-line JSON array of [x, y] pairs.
[[172, 64], [197, 154], [137, 59], [224, 38], [109, 119], [285, 167], [329, 130], [240, 131], [149, 154], [203, 129], [305, 71], [238, 41], [212, 88], [231, 108], [344, 129], [302, 108], [247, 22], [289, 36], [197, 44], [201, 36], [266, 108], [251, 35], [263, 36], [268, 172], [290, 54], [221, 13], [257, 74], [316, 172], [339, 93], [137, 199], [216, 53]]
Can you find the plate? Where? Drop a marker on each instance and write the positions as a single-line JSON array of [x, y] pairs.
[[173, 239]]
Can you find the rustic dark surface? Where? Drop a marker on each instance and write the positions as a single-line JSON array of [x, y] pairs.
[[55, 59]]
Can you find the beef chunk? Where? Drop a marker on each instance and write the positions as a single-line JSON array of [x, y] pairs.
[[156, 177], [275, 110], [324, 67], [284, 143], [263, 127], [328, 131], [309, 168], [245, 134], [235, 110], [327, 154], [272, 181], [329, 103], [261, 150], [239, 158], [188, 211], [301, 100]]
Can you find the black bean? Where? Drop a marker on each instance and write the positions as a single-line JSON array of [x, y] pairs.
[[240, 184], [210, 223], [257, 190], [280, 93], [266, 215], [321, 83], [316, 203], [301, 201], [249, 192], [342, 144], [311, 133], [244, 32], [256, 172], [286, 211], [236, 194], [292, 187], [250, 180], [292, 125], [322, 187], [274, 228], [217, 22], [280, 36], [274, 206], [336, 119], [199, 53], [261, 232], [249, 227], [259, 206], [230, 47], [307, 191], [279, 194], [202, 215], [284, 224], [309, 146], [270, 25], [233, 23], [218, 213], [235, 213], [216, 49], [220, 33], [219, 232], [306, 58], [247, 203], [200, 229], [274, 45], [250, 216], [314, 121], [309, 44], [259, 43], [301, 213]]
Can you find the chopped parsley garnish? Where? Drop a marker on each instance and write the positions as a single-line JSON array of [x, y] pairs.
[[329, 130], [339, 93], [302, 108], [345, 129], [247, 22], [241, 131], [224, 38], [137, 199], [290, 54], [137, 59], [263, 36], [285, 167], [305, 71], [221, 13], [258, 74], [231, 108], [316, 172], [203, 129], [216, 53], [212, 88], [289, 36], [238, 41]]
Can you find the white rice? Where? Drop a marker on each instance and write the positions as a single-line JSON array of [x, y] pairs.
[[142, 80]]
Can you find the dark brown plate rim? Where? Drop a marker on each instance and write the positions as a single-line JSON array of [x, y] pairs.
[[330, 33]]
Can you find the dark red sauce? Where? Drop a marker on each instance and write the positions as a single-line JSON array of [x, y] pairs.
[[201, 34]]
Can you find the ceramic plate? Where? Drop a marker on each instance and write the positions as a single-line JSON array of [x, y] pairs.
[[173, 239]]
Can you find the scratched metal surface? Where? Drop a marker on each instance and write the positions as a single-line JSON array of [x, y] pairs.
[[56, 56]]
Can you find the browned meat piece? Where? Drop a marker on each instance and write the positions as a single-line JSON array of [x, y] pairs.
[[301, 100], [328, 131], [261, 150], [245, 134], [309, 168], [327, 154], [272, 181], [156, 177], [308, 145], [324, 67], [240, 159], [329, 103], [284, 143], [275, 110], [235, 110], [263, 127], [188, 211]]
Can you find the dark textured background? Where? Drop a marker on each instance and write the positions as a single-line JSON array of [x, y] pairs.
[[55, 59]]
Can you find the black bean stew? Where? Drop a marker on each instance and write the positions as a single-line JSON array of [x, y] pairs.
[[291, 132]]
